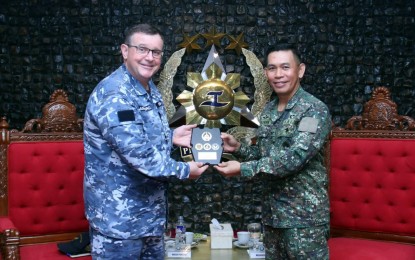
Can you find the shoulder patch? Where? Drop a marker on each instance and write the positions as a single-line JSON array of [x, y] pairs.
[[126, 115], [308, 124]]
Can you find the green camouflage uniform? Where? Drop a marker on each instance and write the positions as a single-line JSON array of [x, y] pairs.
[[289, 156]]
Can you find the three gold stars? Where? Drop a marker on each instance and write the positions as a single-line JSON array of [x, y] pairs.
[[213, 38]]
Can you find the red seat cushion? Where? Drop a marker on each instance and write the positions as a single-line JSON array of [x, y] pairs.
[[359, 249], [45, 186], [372, 185]]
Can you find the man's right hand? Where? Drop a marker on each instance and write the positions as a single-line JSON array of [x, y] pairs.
[[229, 168], [196, 169], [230, 144]]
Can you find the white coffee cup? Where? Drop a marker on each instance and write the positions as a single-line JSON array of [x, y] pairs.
[[243, 237], [189, 237]]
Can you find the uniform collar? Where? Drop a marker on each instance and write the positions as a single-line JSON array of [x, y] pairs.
[[294, 99]]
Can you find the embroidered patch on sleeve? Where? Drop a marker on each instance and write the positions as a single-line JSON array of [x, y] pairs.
[[126, 115], [308, 124]]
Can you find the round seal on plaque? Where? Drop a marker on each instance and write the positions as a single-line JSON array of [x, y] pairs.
[[206, 136]]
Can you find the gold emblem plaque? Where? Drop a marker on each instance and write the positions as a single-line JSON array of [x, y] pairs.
[[214, 99]]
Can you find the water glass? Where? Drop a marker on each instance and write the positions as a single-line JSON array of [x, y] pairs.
[[254, 230]]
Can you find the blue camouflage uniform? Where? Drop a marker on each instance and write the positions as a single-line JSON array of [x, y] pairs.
[[127, 143], [289, 156]]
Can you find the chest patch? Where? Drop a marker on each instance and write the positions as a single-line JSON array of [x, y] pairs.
[[308, 124], [126, 115]]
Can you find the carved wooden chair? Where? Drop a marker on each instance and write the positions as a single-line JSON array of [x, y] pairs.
[[41, 182], [372, 183]]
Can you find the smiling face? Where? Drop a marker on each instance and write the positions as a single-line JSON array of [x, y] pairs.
[[142, 66], [284, 73]]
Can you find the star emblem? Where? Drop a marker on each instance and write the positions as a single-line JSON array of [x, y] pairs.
[[214, 100], [213, 38], [237, 44], [190, 43]]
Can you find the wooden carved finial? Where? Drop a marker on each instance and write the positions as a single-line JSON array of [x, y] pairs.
[[380, 113], [4, 127], [59, 115]]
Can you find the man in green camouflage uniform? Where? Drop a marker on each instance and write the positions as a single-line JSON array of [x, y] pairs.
[[289, 155]]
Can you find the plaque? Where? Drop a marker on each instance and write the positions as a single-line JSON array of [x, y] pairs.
[[206, 145]]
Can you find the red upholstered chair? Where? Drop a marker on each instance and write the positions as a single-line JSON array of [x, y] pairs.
[[41, 183], [372, 184]]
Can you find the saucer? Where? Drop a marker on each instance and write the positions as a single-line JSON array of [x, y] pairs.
[[199, 237], [194, 244], [240, 246]]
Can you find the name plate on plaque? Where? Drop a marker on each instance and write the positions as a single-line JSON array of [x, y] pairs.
[[206, 145]]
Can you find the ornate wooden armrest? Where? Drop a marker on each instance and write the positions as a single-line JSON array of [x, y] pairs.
[[9, 243]]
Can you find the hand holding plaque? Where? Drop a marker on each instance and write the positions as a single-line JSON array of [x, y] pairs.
[[206, 145]]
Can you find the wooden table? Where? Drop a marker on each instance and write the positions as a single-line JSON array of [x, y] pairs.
[[203, 252]]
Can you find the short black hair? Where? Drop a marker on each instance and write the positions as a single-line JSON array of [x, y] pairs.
[[284, 47], [141, 28]]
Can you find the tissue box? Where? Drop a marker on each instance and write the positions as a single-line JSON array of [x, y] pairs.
[[220, 239]]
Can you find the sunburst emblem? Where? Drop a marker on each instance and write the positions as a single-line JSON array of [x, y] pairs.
[[213, 101]]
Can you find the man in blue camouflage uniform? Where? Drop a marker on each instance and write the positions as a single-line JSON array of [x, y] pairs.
[[127, 143], [288, 155]]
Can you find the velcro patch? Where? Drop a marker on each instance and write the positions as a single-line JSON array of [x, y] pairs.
[[308, 124], [126, 115]]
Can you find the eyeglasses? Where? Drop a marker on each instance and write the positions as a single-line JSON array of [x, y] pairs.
[[141, 50]]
